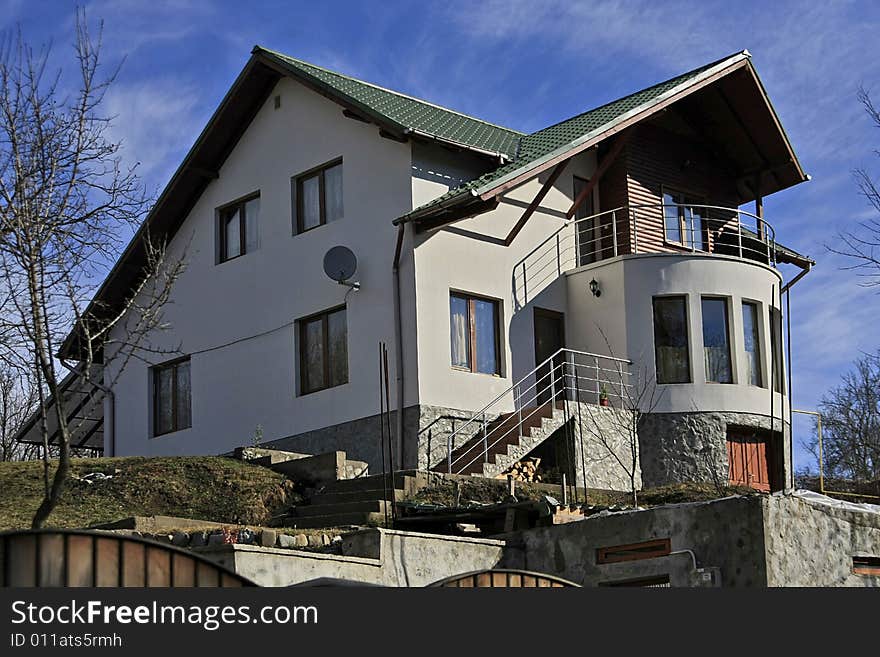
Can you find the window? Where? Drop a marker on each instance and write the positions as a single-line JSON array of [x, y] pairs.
[[671, 353], [776, 350], [716, 340], [172, 397], [318, 195], [753, 344], [238, 227], [634, 551], [473, 328], [683, 220], [588, 231], [323, 347], [866, 565]]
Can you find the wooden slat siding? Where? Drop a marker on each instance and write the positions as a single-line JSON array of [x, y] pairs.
[[613, 193], [22, 563], [659, 547], [158, 567], [207, 576], [654, 162], [132, 567], [184, 571], [80, 565], [51, 570], [107, 555]]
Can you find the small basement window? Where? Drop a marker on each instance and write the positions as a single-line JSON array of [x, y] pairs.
[[866, 566], [634, 551], [658, 582]]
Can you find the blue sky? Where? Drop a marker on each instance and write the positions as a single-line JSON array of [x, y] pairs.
[[527, 64]]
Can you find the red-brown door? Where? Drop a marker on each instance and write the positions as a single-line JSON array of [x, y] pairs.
[[749, 458]]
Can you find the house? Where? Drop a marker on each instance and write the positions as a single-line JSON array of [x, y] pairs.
[[523, 283]]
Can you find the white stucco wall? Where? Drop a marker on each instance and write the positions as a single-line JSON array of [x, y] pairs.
[[624, 314], [237, 387], [448, 260]]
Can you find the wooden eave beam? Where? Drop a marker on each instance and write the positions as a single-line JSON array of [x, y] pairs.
[[607, 161], [456, 214], [536, 202]]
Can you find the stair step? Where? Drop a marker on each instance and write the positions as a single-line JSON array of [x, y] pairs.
[[371, 482], [335, 520], [366, 506], [368, 495]]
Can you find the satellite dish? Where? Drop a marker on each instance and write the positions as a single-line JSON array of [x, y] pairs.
[[340, 264]]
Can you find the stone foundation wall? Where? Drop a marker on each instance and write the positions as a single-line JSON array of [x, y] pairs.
[[679, 447]]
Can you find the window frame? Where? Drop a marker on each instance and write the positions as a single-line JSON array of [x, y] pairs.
[[728, 326], [650, 549], [759, 347], [296, 185], [471, 300], [223, 213], [692, 199], [154, 373], [325, 349], [687, 326], [777, 343]]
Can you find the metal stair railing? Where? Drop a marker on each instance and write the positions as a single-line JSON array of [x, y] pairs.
[[567, 371]]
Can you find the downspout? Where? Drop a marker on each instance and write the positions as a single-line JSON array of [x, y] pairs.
[[398, 343], [110, 420]]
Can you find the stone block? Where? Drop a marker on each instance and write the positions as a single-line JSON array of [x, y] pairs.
[[268, 537]]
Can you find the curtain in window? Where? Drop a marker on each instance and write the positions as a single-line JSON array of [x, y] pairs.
[[458, 329], [232, 236], [752, 344], [671, 340], [716, 341], [184, 396], [338, 348], [314, 351], [164, 400], [333, 192], [252, 223], [484, 322], [311, 202]]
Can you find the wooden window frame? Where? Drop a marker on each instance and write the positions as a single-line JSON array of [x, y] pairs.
[[223, 213], [155, 369], [866, 565], [472, 331], [687, 327], [696, 200], [325, 349], [658, 547], [298, 180], [656, 581], [728, 327]]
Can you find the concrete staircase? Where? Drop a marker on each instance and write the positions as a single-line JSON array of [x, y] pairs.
[[361, 501], [508, 440]]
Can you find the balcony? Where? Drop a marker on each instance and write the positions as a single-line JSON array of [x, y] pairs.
[[646, 229]]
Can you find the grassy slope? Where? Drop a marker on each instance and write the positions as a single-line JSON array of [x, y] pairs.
[[208, 488]]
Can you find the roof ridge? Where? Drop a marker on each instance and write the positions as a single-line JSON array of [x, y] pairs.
[[392, 91], [686, 74]]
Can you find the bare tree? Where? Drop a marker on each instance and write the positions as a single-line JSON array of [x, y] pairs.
[[66, 204], [851, 424], [863, 244], [616, 433], [18, 401]]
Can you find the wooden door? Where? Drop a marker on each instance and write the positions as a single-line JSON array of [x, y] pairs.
[[549, 338], [749, 459]]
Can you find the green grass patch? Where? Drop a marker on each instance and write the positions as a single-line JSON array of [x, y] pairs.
[[213, 488]]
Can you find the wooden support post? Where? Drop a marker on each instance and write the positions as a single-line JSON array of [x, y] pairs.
[[607, 161], [529, 211]]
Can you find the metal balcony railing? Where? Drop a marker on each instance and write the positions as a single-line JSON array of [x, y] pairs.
[[654, 228], [567, 376]]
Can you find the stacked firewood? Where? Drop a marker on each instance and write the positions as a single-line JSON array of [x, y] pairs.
[[524, 470]]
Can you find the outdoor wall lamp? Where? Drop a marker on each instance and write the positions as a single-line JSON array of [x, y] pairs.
[[594, 288]]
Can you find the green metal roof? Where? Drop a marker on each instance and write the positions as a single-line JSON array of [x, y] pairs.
[[558, 138], [403, 113]]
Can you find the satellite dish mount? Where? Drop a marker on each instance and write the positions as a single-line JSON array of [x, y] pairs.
[[340, 265]]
